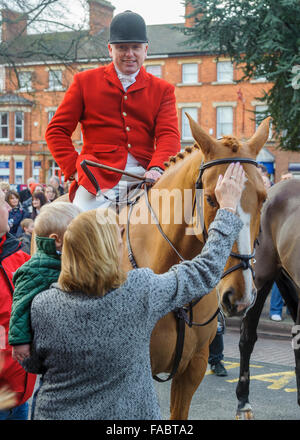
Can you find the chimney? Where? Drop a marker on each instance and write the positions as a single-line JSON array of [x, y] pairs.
[[101, 14], [14, 24], [189, 22]]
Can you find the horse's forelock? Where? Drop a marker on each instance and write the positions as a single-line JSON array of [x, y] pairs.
[[232, 143]]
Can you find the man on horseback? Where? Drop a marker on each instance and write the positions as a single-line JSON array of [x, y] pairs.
[[128, 118]]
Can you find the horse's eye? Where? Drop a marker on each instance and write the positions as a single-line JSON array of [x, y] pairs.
[[211, 201]]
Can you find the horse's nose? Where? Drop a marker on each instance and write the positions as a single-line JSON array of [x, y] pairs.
[[233, 307], [227, 302]]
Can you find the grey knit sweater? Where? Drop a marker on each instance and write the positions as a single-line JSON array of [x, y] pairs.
[[93, 353]]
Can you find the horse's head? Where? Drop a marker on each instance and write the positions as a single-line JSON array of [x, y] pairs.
[[236, 288]]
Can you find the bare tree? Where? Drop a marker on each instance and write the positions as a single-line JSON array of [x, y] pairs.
[[37, 31]]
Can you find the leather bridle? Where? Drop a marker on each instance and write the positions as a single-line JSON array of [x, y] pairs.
[[184, 315], [245, 259]]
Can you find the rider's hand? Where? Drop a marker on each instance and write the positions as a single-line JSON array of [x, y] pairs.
[[152, 174], [229, 187]]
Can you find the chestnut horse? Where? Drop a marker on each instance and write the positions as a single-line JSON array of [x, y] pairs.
[[151, 249], [206, 159], [277, 260]]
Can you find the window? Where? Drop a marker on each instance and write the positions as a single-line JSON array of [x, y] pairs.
[[261, 112], [24, 81], [224, 121], [155, 69], [259, 74], [185, 125], [2, 78], [4, 125], [4, 171], [36, 166], [224, 71], [190, 73], [50, 115], [19, 126], [55, 79], [19, 173]]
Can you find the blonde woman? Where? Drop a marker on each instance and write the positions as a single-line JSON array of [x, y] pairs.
[[92, 330]]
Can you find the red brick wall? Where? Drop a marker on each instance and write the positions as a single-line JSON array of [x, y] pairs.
[[207, 93]]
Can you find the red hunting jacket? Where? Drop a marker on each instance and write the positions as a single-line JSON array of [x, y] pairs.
[[142, 120], [11, 374]]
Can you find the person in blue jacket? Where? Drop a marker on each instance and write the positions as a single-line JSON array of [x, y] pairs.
[[16, 214]]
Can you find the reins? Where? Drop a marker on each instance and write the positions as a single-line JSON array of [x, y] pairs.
[[183, 315]]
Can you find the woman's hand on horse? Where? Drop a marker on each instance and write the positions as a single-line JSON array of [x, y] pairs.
[[229, 187]]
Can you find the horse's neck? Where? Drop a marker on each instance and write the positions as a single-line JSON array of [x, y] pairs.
[[178, 187]]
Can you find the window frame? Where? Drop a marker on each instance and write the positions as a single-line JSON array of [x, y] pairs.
[[150, 66], [27, 86], [19, 174], [19, 139], [55, 82], [220, 72], [219, 132], [185, 123], [183, 73], [3, 125]]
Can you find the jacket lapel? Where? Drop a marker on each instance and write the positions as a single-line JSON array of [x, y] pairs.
[[111, 75], [141, 81]]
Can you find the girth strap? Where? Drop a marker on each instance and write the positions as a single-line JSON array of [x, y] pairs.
[[179, 346]]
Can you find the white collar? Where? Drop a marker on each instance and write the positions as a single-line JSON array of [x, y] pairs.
[[130, 77]]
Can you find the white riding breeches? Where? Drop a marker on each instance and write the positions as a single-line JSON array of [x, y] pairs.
[[87, 201]]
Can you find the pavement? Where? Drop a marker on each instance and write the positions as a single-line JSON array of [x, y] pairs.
[[267, 327]]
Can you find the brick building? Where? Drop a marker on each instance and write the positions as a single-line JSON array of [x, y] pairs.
[[206, 88]]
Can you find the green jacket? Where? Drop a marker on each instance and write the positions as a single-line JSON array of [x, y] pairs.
[[33, 277]]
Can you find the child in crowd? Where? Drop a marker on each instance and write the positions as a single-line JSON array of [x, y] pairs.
[[27, 226], [39, 272], [5, 186], [16, 214]]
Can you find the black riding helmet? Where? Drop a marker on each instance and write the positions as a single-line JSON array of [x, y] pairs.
[[128, 27]]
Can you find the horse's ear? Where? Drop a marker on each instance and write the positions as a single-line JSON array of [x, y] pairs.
[[205, 142], [260, 137]]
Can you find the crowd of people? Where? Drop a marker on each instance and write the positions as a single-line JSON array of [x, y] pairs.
[[69, 313], [25, 205]]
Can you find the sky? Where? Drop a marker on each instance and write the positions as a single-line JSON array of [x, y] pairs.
[[153, 11], [73, 13]]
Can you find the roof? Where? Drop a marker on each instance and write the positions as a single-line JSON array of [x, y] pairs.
[[164, 40], [13, 99], [168, 39]]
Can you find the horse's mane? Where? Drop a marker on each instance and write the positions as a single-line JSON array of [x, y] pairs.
[[231, 142], [181, 155], [227, 141]]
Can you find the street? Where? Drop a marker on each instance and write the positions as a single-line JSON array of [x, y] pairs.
[[272, 385]]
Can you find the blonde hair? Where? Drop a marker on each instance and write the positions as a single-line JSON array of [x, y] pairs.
[[90, 257], [26, 222], [4, 186], [54, 218]]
